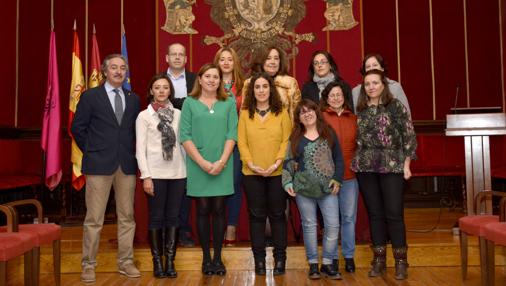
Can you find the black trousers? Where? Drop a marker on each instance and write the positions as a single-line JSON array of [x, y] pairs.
[[164, 205], [383, 198], [266, 198]]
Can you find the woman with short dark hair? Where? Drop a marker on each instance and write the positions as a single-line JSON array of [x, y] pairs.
[[161, 163]]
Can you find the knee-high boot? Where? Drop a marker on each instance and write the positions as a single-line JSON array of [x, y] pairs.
[[401, 262], [170, 251], [156, 243], [379, 261]]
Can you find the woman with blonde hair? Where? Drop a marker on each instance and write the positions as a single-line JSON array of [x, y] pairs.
[[233, 80]]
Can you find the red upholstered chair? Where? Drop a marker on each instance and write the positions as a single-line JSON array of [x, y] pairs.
[[475, 225], [495, 234], [45, 233], [14, 244]]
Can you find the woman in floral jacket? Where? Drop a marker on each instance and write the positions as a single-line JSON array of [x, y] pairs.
[[386, 143]]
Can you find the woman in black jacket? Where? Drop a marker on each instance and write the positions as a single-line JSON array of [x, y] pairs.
[[323, 70]]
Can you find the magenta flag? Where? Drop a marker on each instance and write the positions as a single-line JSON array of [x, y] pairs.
[[51, 124]]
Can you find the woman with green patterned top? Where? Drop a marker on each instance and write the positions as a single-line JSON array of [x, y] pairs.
[[386, 143], [312, 173]]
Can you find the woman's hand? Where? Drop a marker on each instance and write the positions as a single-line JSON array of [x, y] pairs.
[[270, 170], [256, 169], [216, 168], [147, 185], [334, 187], [290, 191], [407, 172], [407, 169], [206, 166]]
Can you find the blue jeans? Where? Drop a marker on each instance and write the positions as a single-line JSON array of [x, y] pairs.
[[348, 198], [234, 201], [329, 206]]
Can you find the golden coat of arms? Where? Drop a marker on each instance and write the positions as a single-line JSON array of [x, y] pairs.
[[250, 26], [339, 15], [179, 17]]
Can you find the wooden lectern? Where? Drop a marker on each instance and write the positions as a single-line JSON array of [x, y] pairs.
[[476, 129]]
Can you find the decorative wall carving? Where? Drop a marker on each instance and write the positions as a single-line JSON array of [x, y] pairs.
[[179, 17], [250, 26], [339, 15]]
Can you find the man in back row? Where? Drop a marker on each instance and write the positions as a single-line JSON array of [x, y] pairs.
[[183, 81]]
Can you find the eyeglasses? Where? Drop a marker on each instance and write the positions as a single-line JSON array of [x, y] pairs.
[[306, 111], [322, 62], [174, 55], [335, 96]]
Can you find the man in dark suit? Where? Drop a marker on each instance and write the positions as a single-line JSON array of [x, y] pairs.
[[183, 81], [104, 130]]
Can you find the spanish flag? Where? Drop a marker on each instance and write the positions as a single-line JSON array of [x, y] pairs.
[[76, 89], [96, 77]]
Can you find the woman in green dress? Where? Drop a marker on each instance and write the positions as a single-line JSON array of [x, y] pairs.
[[208, 131]]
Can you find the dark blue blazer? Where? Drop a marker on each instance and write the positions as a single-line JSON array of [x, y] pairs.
[[105, 143]]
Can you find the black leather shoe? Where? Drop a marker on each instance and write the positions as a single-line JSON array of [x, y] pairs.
[[207, 268], [313, 271], [329, 271], [219, 268], [279, 267], [260, 268], [349, 265]]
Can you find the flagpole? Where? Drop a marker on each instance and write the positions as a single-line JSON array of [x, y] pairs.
[[52, 15], [121, 19], [16, 102], [86, 42]]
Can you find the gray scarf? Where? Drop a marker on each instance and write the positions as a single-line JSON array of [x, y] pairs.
[[322, 82], [166, 116]]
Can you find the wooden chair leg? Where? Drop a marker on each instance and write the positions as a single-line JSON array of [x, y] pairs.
[[3, 272], [490, 263], [36, 266], [57, 261], [463, 254], [28, 261], [483, 260]]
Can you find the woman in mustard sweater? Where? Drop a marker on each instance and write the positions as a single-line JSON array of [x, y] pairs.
[[263, 131]]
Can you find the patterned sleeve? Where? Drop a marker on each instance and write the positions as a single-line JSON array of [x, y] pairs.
[[289, 167], [407, 130]]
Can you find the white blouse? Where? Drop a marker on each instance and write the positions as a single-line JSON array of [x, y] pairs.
[[149, 152]]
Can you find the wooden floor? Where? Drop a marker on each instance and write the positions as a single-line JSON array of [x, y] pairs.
[[417, 276], [433, 256]]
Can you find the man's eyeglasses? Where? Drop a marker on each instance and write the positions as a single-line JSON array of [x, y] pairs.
[[174, 55]]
